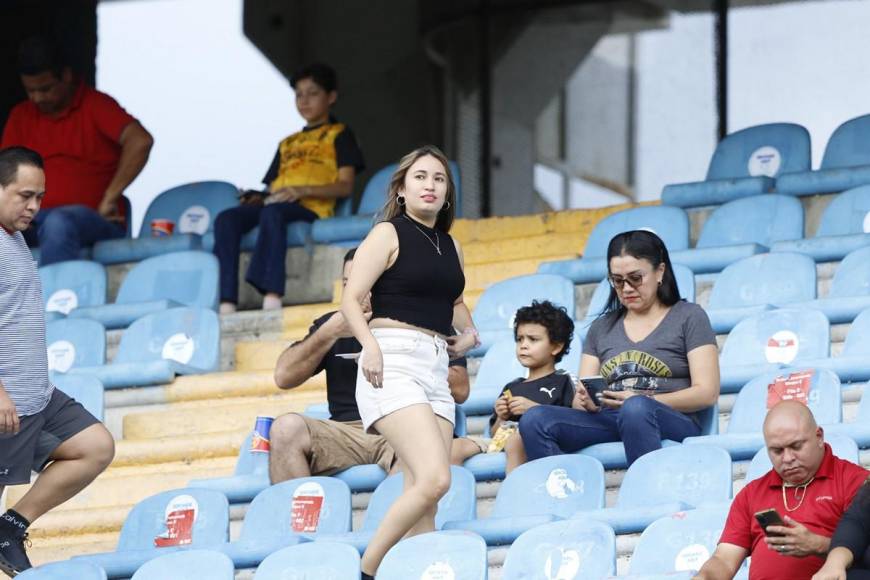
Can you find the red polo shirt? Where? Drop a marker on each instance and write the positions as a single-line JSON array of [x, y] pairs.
[[80, 145], [826, 499]]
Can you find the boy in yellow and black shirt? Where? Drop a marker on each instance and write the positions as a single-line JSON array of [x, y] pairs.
[[310, 172]]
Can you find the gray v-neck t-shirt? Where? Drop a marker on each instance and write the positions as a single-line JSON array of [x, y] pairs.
[[657, 363]]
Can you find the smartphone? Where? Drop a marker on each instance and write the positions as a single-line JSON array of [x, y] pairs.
[[769, 517], [594, 386]]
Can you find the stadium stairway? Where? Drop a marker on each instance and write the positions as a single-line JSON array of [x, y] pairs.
[[192, 428]]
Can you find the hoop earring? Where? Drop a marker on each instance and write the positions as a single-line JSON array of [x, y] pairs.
[[446, 206], [400, 200]]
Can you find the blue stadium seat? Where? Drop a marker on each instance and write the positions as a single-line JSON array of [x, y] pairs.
[[70, 285], [288, 513], [746, 163], [844, 227], [612, 455], [188, 565], [670, 223], [755, 284], [742, 228], [159, 283], [842, 446], [850, 289], [685, 282], [193, 208], [680, 542], [539, 492], [86, 389], [458, 504], [500, 366], [453, 555], [744, 438], [250, 477], [178, 341], [857, 430], [487, 466], [770, 340], [567, 549], [317, 411], [348, 228], [74, 343], [148, 521], [496, 307], [64, 571], [666, 481], [846, 163], [327, 560], [853, 364]]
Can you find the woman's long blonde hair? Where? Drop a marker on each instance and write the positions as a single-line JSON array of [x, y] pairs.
[[392, 208]]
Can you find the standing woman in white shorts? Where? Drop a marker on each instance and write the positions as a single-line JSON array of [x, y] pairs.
[[414, 271]]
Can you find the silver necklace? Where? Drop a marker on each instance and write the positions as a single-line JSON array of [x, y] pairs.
[[436, 244]]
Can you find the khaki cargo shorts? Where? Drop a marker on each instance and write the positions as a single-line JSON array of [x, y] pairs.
[[336, 446]]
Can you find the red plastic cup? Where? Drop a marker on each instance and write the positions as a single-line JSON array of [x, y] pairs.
[[161, 228]]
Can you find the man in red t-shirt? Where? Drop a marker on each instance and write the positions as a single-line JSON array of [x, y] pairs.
[[93, 149], [808, 486]]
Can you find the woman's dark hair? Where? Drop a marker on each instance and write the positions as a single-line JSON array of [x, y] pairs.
[[560, 327], [321, 74], [641, 245]]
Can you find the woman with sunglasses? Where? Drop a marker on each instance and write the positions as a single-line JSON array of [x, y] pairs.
[[656, 352]]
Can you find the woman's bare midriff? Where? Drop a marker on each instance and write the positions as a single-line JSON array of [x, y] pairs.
[[390, 323]]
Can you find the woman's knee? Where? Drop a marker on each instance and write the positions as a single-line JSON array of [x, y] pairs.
[[636, 410], [433, 485], [535, 421], [272, 216]]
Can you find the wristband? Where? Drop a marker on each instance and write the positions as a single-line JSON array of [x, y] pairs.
[[473, 331]]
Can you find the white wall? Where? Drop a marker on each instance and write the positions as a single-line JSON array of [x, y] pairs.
[[216, 107]]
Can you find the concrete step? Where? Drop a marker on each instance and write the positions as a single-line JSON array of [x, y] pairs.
[[202, 417]]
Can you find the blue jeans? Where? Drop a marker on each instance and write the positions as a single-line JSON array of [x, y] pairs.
[[266, 271], [61, 232], [640, 424]]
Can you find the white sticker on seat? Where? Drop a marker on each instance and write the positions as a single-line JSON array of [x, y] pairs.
[[178, 347], [438, 571], [691, 558], [782, 347], [179, 516], [564, 566], [866, 227], [63, 301], [560, 486], [194, 220], [306, 507], [764, 161], [61, 355]]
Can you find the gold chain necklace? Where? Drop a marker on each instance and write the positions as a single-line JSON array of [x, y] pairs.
[[802, 487], [436, 244]]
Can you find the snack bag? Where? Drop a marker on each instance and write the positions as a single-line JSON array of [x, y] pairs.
[[500, 438]]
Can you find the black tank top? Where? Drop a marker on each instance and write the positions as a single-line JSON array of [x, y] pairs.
[[422, 285]]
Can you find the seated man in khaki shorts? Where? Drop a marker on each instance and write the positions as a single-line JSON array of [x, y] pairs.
[[303, 446]]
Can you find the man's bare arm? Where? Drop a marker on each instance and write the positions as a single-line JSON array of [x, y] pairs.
[[136, 143], [8, 413], [724, 563], [298, 363]]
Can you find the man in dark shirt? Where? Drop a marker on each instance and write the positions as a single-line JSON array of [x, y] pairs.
[[303, 446]]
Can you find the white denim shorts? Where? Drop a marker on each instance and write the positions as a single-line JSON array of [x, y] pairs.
[[415, 372]]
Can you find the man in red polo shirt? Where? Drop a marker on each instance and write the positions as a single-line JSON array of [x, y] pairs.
[[808, 486], [93, 149]]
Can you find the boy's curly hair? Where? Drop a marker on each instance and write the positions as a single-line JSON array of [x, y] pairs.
[[560, 327]]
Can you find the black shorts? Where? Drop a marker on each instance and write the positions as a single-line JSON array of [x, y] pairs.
[[39, 435]]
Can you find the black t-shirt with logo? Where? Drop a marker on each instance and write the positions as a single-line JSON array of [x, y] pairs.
[[554, 389], [341, 374]]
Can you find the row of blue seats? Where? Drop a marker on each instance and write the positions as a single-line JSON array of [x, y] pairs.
[[193, 208], [152, 351], [776, 158], [735, 230], [670, 480], [77, 289], [672, 547]]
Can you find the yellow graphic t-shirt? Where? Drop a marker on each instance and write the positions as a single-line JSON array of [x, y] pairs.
[[309, 158]]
